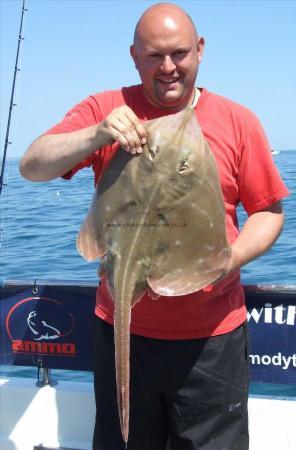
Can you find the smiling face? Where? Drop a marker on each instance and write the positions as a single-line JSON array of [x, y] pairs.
[[167, 53]]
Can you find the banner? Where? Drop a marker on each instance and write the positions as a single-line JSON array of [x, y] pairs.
[[53, 324], [272, 325]]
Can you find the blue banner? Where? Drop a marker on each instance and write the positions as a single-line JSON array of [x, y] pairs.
[[53, 324], [50, 324], [272, 325]]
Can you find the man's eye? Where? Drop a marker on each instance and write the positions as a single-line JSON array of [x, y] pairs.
[[180, 53]]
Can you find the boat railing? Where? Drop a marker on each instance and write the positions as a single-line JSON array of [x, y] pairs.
[[49, 324]]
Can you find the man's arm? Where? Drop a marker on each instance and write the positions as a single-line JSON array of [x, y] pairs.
[[259, 232], [51, 156]]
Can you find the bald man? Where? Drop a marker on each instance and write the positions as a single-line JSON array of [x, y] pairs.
[[189, 354]]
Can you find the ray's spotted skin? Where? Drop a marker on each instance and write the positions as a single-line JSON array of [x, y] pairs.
[[157, 221]]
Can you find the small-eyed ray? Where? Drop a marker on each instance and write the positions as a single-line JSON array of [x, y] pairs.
[[157, 221]]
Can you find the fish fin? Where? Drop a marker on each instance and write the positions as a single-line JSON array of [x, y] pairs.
[[136, 300], [152, 294], [105, 278], [171, 285], [88, 244]]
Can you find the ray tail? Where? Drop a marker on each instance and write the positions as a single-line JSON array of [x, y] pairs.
[[122, 317]]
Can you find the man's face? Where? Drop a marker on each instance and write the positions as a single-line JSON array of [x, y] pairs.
[[167, 58]]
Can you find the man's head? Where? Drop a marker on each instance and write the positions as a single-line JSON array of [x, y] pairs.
[[167, 52]]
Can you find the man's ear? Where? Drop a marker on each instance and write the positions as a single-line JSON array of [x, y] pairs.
[[133, 54], [200, 48]]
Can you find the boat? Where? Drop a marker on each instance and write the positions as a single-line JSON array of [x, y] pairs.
[[47, 325], [275, 152], [42, 413]]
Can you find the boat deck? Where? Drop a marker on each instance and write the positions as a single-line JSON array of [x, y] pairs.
[[62, 417]]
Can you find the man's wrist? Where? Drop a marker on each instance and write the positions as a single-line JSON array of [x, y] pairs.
[[235, 261], [99, 138]]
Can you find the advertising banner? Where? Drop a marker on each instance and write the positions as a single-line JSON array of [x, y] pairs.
[[52, 325], [272, 325], [47, 323]]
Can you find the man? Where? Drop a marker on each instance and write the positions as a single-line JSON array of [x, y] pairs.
[[189, 374]]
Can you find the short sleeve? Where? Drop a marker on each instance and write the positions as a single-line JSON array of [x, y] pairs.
[[82, 115], [259, 182]]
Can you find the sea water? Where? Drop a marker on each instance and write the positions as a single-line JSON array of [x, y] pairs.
[[39, 223]]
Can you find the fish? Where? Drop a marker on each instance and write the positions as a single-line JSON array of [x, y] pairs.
[[157, 223], [41, 328]]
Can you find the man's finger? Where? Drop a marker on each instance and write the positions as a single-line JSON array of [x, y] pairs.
[[128, 131], [138, 126]]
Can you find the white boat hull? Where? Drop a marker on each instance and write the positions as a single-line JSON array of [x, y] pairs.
[[63, 416]]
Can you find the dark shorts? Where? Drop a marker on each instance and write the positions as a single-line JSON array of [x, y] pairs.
[[185, 395]]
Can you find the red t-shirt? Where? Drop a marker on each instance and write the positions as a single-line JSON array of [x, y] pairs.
[[247, 174]]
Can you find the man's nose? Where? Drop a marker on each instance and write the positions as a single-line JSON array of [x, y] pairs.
[[168, 64]]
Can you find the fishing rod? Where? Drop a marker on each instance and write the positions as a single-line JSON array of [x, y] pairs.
[[12, 104]]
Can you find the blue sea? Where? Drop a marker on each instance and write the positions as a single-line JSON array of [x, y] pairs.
[[39, 223]]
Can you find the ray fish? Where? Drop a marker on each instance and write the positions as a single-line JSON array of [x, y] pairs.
[[157, 222]]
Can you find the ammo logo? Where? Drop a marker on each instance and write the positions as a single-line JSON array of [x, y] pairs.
[[40, 325]]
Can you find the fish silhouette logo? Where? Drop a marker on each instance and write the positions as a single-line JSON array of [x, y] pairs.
[[39, 319], [40, 328]]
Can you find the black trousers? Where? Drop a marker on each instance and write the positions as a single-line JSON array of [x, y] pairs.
[[185, 395]]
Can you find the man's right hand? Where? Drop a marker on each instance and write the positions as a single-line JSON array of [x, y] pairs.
[[52, 155], [123, 125]]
